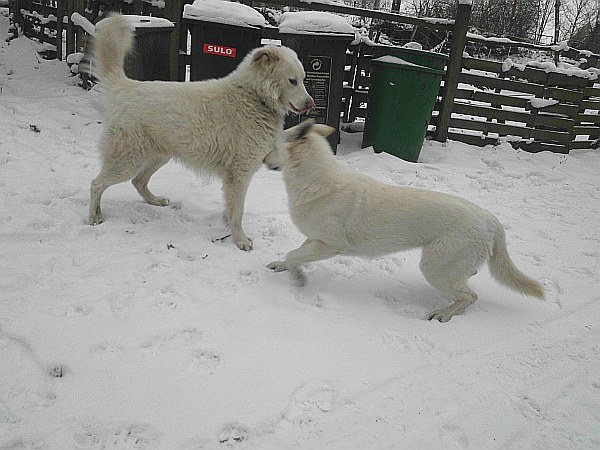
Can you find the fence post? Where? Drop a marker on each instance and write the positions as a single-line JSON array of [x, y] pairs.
[[173, 12], [70, 44], [60, 13], [459, 40]]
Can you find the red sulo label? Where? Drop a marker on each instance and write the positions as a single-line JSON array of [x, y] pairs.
[[220, 50]]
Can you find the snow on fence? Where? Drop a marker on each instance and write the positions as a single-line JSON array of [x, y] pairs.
[[481, 101]]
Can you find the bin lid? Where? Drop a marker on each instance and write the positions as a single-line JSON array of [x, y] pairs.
[[393, 61], [224, 12], [315, 22], [147, 22], [415, 51]]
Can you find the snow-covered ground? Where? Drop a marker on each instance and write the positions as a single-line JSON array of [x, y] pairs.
[[149, 332]]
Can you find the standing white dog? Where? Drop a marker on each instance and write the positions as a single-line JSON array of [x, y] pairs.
[[227, 126], [343, 212]]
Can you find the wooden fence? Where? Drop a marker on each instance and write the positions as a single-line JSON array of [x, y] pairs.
[[479, 101], [535, 109]]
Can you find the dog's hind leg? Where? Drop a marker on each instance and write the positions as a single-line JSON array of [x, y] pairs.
[[140, 182], [309, 251], [447, 265], [114, 171]]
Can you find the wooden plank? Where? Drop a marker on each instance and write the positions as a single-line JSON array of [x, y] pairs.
[[560, 108], [512, 44], [491, 127], [590, 91], [590, 104], [563, 95], [484, 65], [589, 118], [532, 74], [587, 130], [491, 113], [491, 97], [554, 122], [510, 130], [479, 141], [579, 145], [536, 147], [499, 83], [529, 73], [338, 8], [566, 81]]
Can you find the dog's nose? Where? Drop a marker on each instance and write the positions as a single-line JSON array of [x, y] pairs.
[[310, 104]]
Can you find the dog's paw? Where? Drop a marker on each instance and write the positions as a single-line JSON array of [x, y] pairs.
[[441, 315], [159, 201], [277, 266], [95, 220], [244, 243]]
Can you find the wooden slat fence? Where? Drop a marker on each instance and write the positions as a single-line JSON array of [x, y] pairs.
[[514, 103], [534, 109]]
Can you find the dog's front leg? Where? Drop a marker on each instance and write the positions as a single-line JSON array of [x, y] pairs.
[[235, 187], [309, 251]]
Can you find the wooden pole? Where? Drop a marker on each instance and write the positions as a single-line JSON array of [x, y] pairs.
[[60, 13], [459, 40], [173, 12], [70, 45], [556, 28]]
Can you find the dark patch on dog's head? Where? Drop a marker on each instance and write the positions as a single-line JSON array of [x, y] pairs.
[[301, 130]]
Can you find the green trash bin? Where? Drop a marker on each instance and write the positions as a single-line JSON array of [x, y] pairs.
[[421, 57], [401, 99]]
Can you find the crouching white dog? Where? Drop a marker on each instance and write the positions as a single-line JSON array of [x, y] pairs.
[[342, 212]]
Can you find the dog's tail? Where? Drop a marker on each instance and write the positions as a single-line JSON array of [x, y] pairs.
[[114, 40], [504, 271]]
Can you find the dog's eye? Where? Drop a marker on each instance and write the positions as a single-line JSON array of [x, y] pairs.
[[293, 82]]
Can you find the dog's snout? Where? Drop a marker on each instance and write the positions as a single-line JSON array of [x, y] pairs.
[[310, 104]]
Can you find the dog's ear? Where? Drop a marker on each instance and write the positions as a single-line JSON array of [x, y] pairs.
[[302, 130], [323, 130], [265, 55]]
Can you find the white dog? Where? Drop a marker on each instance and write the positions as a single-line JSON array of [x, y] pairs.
[[227, 126], [343, 212]]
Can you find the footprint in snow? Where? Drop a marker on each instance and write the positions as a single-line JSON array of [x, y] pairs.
[[108, 351], [161, 343], [25, 384], [70, 311], [149, 349], [309, 402], [114, 436], [204, 362], [233, 434], [552, 292]]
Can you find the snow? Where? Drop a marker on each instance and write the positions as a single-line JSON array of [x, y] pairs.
[[314, 22], [413, 45], [224, 12], [389, 59], [549, 67], [539, 103], [84, 23], [136, 22], [150, 332]]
